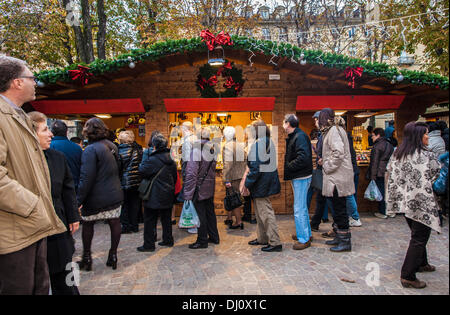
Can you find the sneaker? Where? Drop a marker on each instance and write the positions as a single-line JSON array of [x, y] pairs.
[[192, 230], [380, 215], [391, 215], [353, 222]]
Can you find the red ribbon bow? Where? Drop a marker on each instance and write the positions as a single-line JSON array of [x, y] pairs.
[[212, 81], [221, 70], [81, 74], [230, 83], [213, 41], [202, 82], [351, 73]]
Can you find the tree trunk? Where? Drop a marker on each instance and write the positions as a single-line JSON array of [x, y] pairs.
[[79, 38], [101, 35], [87, 31]]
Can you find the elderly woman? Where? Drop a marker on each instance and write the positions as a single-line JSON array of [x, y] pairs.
[[199, 187], [337, 171], [411, 173], [233, 169], [100, 194], [159, 167], [130, 156], [60, 247], [262, 181]]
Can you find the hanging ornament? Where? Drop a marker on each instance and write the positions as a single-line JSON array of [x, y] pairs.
[[400, 78], [303, 62], [40, 84], [132, 65], [81, 74]]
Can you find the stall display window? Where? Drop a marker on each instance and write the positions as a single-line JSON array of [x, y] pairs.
[[361, 145], [216, 122]]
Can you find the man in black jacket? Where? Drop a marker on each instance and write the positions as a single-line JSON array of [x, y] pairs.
[[298, 168], [379, 158]]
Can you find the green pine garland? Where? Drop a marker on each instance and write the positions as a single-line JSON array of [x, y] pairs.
[[171, 47]]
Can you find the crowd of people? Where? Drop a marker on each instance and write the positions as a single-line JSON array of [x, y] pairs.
[[50, 184]]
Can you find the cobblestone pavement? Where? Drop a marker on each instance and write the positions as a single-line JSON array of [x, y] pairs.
[[234, 267]]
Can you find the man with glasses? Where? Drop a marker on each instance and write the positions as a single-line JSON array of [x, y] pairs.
[[27, 216]]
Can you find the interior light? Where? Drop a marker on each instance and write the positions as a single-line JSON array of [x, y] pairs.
[[103, 116], [222, 114], [340, 112], [364, 114]]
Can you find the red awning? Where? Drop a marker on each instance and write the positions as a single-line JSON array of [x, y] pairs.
[[234, 104], [349, 102], [67, 107]]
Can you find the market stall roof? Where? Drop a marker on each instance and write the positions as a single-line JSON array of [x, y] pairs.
[[110, 106], [328, 72]]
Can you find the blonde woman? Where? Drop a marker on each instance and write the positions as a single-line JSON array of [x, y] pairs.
[[234, 165], [130, 156]]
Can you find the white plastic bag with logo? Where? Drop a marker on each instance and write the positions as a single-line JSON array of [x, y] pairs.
[[189, 218]]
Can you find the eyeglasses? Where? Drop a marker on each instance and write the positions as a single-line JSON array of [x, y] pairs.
[[30, 77]]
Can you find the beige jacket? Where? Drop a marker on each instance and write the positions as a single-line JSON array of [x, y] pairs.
[[26, 208], [234, 161], [337, 162]]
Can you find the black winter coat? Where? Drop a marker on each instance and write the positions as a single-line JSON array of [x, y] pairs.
[[379, 158], [60, 247], [298, 156], [353, 154], [130, 156], [162, 194], [99, 188], [262, 180]]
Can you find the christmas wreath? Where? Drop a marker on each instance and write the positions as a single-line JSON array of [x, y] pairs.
[[209, 78]]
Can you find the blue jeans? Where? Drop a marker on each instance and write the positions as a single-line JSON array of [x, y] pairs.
[[301, 215], [352, 207]]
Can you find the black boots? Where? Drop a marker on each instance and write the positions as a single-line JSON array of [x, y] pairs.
[[112, 260], [343, 239], [86, 261]]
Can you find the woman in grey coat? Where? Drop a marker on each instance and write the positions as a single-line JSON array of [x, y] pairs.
[[199, 187], [337, 171]]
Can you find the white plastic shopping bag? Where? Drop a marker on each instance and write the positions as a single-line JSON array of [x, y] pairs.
[[372, 192], [189, 218]]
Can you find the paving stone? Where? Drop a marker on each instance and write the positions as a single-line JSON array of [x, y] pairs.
[[234, 267]]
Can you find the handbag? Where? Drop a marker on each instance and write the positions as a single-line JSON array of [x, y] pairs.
[[232, 200], [145, 188], [317, 179]]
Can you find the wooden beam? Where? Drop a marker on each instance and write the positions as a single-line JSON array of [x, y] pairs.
[[372, 87], [397, 92], [93, 85], [67, 85], [316, 77], [65, 91], [123, 79], [341, 82]]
